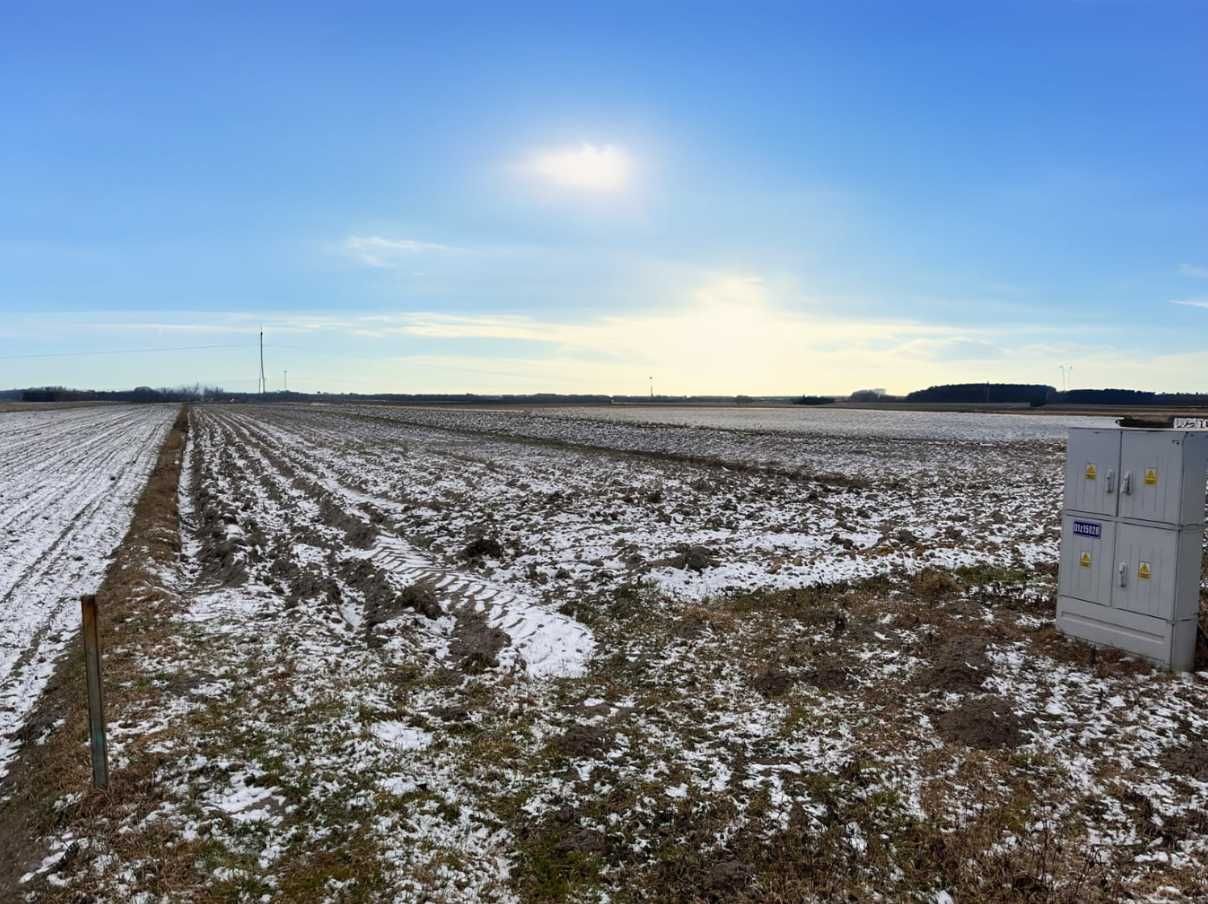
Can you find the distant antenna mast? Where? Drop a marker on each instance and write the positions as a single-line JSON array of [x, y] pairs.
[[285, 378], [262, 380], [1066, 370], [652, 387]]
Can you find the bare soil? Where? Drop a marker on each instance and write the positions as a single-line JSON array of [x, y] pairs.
[[987, 723]]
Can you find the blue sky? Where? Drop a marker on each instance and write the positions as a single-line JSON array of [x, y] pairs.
[[511, 198]]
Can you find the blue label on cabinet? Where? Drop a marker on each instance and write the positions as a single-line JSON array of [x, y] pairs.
[[1088, 529]]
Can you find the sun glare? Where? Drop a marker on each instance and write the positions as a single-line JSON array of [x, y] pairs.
[[603, 169]]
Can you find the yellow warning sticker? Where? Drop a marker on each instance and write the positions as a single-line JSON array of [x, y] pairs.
[[1151, 477], [1143, 571], [1085, 560], [1091, 473]]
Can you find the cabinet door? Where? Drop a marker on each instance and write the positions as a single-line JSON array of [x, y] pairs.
[[1092, 466], [1151, 475], [1087, 563], [1145, 570]]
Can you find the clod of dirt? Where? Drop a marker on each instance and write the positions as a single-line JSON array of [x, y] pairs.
[[695, 558], [932, 584], [726, 879], [829, 677], [454, 713], [845, 542], [773, 682], [475, 645], [582, 741], [583, 841], [958, 664], [567, 837], [382, 604], [421, 598], [987, 723], [309, 583], [1188, 759], [357, 533], [219, 559], [482, 546]]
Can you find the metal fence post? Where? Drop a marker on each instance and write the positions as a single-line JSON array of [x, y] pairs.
[[96, 700]]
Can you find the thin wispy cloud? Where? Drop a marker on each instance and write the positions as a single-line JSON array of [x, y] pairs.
[[382, 252], [1192, 302], [1194, 270], [728, 334]]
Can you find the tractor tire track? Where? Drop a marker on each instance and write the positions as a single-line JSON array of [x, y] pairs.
[[545, 642]]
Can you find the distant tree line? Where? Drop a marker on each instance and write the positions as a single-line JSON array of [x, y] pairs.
[[970, 393], [1037, 394], [869, 395], [138, 394], [1132, 397]]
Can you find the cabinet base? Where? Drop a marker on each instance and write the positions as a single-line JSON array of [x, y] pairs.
[[1168, 644]]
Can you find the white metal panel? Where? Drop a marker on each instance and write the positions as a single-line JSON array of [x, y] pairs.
[[1146, 559], [1087, 558], [1092, 466], [1151, 476], [1169, 644], [1187, 576], [1195, 473]]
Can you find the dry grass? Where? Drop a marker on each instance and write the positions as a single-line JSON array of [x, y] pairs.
[[665, 669], [132, 604], [1014, 840]]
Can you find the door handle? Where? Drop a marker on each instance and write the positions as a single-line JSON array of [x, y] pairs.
[[1123, 574], [1109, 483], [1126, 484]]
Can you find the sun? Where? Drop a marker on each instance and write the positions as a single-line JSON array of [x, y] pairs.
[[596, 169]]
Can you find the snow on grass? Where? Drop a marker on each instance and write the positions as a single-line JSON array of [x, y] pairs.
[[400, 735], [68, 483], [837, 682]]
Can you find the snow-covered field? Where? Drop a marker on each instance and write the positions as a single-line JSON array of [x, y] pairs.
[[863, 423], [467, 655], [68, 481], [764, 509]]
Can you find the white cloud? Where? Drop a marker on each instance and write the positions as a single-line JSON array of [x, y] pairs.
[[377, 251], [595, 169], [1194, 271], [1192, 302]]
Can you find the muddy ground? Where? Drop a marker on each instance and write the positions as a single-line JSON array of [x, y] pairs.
[[406, 661]]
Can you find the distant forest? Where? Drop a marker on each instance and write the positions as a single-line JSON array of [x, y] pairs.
[[138, 394], [1037, 395], [217, 394], [1032, 393]]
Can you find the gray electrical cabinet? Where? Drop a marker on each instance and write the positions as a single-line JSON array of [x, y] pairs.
[[1131, 540]]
